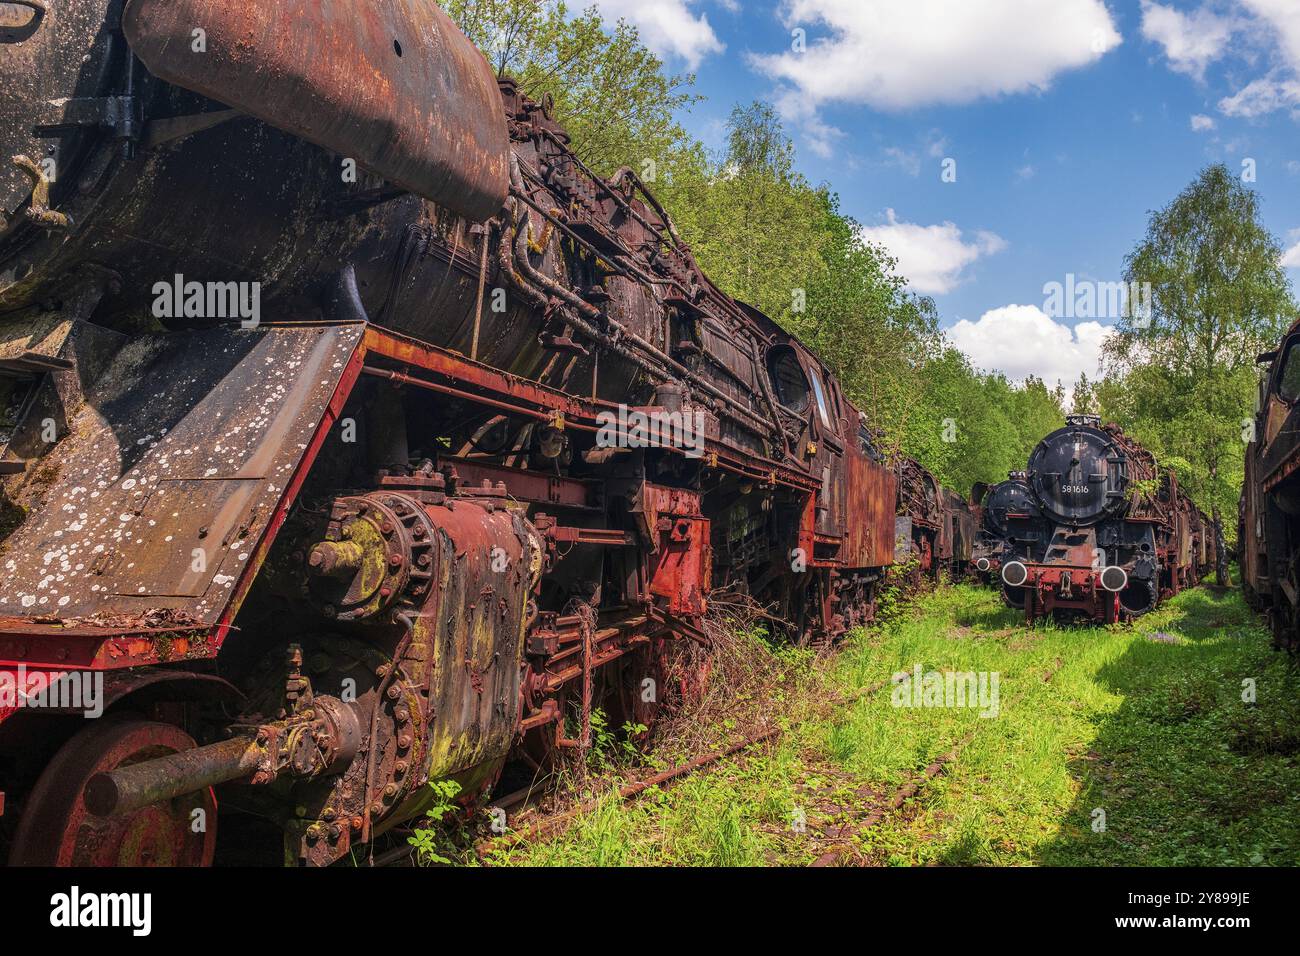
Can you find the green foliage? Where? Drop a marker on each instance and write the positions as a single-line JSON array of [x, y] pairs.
[[432, 842], [1182, 380], [968, 427], [612, 748], [756, 226], [1084, 397], [892, 599], [611, 93]]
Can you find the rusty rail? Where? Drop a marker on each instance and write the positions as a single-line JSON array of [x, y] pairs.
[[549, 825]]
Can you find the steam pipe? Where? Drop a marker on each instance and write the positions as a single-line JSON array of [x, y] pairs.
[[590, 311]]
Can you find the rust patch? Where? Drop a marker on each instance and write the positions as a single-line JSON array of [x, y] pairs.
[[419, 107]]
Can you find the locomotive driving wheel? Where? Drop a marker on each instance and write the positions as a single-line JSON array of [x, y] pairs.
[[56, 829]]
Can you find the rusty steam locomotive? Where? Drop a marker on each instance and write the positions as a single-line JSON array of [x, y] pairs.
[[1268, 530], [358, 436], [1095, 528]]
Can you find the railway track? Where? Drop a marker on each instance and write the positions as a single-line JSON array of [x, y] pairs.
[[546, 826], [843, 846]]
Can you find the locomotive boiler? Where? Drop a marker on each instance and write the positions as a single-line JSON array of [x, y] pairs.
[[1010, 528], [358, 435], [1113, 534]]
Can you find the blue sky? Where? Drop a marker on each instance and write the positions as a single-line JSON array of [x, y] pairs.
[[1068, 121]]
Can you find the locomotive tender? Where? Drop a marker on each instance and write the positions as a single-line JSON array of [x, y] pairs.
[[1105, 533], [315, 334]]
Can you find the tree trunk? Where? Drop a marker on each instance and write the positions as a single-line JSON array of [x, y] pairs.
[[1220, 551], [1220, 547]]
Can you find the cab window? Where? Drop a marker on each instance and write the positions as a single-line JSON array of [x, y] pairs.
[[820, 394], [1288, 382], [788, 380]]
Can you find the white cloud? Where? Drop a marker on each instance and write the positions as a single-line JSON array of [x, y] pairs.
[[1025, 173], [1254, 31], [668, 27], [908, 162], [1282, 18], [932, 143], [820, 136], [1021, 340], [894, 56], [1201, 123], [1291, 258], [1192, 41], [932, 258], [936, 144], [1262, 96], [1293, 167]]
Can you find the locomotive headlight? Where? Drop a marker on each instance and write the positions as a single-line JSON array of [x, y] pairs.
[[1114, 579], [1014, 574], [982, 564]]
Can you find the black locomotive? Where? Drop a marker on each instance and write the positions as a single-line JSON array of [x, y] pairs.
[[1109, 534]]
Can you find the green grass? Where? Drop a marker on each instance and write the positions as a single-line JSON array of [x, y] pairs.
[[1155, 734]]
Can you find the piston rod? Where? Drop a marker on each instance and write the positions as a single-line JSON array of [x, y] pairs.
[[131, 788]]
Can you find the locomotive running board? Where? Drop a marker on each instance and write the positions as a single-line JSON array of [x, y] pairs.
[[158, 503], [150, 485]]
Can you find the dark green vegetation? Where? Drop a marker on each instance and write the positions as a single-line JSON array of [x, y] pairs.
[[1145, 724]]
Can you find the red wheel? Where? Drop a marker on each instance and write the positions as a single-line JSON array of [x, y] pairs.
[[56, 829]]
